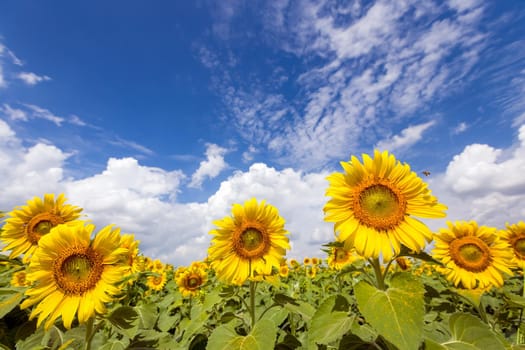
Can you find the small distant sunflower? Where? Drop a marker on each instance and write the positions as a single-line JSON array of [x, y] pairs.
[[19, 279], [307, 261], [312, 271], [25, 225], [253, 239], [191, 280], [158, 281], [514, 235], [284, 270], [74, 275], [339, 257], [129, 242], [373, 206], [474, 255], [294, 264]]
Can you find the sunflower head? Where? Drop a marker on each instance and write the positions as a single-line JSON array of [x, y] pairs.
[[374, 203], [74, 275], [339, 257], [252, 240], [19, 279], [157, 281], [25, 225], [191, 280], [514, 235], [474, 256]]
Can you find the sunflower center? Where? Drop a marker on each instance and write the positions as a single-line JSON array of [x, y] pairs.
[[340, 255], [519, 248], [78, 270], [41, 224], [193, 282], [470, 253], [251, 242], [379, 205], [251, 239]]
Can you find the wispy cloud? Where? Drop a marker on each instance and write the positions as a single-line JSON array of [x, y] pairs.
[[14, 113], [460, 128], [361, 71], [118, 141], [32, 78], [407, 138], [42, 113], [211, 167]]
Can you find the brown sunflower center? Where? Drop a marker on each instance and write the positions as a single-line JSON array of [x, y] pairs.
[[470, 253], [379, 205], [78, 270], [251, 241], [40, 225], [193, 282], [519, 247], [341, 255]]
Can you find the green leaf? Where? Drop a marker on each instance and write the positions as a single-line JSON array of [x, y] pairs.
[[330, 322], [397, 313], [9, 299], [304, 309], [114, 345], [262, 337], [469, 332], [125, 320], [147, 314]]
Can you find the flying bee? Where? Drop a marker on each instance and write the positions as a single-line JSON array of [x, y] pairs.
[[426, 172]]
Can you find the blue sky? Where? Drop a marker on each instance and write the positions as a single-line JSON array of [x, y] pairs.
[[158, 116]]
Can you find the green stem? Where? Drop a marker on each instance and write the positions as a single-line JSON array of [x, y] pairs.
[[253, 285], [89, 333], [380, 278], [520, 337]]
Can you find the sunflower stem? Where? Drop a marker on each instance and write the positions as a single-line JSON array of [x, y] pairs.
[[520, 337], [89, 333], [253, 285], [380, 278]]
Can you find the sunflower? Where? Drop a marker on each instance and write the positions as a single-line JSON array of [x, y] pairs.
[[19, 279], [373, 206], [252, 240], [25, 225], [74, 275], [191, 280], [284, 270], [339, 257], [514, 235], [157, 281], [307, 261], [474, 256]]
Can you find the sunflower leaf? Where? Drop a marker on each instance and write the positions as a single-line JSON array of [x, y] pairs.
[[330, 322], [9, 299], [261, 337], [397, 313]]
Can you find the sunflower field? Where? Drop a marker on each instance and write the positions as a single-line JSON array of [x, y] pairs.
[[386, 282]]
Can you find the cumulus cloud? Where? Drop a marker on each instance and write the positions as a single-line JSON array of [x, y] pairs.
[[485, 183], [32, 78], [143, 200], [211, 167]]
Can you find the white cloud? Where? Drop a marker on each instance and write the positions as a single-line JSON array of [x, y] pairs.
[[408, 137], [42, 113], [211, 167], [485, 183], [461, 127], [375, 66], [14, 113], [32, 78]]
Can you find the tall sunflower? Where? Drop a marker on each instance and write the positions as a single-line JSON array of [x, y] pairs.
[[25, 225], [474, 256], [514, 235], [74, 275], [373, 206], [249, 243]]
